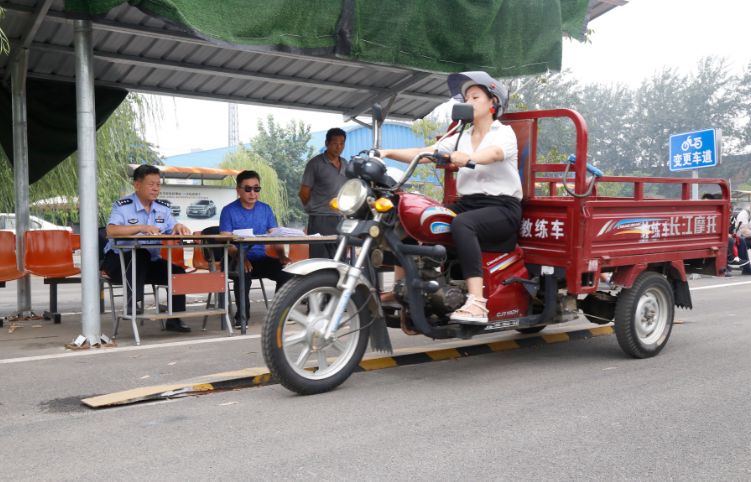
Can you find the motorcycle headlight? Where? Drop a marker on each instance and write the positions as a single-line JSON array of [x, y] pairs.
[[352, 196]]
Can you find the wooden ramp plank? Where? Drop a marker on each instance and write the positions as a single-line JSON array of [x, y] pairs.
[[215, 381]]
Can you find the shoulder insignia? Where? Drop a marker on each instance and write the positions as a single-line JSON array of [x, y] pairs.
[[163, 202], [124, 201]]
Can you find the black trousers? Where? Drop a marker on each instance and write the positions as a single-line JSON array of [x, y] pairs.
[[266, 267], [490, 222], [323, 225], [147, 271]]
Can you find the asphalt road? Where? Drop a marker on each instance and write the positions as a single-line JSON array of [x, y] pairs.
[[578, 410]]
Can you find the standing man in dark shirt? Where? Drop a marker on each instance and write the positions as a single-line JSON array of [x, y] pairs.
[[323, 176]]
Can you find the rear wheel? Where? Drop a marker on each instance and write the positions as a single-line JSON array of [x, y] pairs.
[[644, 315], [293, 344]]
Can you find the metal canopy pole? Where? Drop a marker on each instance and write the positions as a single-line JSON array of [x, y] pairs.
[[21, 172], [87, 182]]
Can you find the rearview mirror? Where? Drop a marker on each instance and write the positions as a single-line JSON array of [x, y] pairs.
[[378, 113], [463, 113]]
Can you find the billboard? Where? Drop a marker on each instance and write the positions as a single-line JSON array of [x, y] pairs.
[[197, 206]]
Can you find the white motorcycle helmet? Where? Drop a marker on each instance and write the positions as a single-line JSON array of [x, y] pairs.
[[460, 82]]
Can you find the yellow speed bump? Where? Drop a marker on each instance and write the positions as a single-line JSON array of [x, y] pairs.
[[254, 377]]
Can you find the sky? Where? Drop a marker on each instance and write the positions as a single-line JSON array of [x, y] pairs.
[[628, 44]]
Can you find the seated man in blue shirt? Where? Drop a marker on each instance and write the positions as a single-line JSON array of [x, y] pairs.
[[247, 212], [143, 213]]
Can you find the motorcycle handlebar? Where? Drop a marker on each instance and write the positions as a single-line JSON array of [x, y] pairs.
[[444, 160]]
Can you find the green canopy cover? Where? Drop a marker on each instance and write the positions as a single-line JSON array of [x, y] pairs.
[[503, 37]]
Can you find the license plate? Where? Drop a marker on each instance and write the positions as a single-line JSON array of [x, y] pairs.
[[348, 226]]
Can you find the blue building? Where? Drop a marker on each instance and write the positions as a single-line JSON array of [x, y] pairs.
[[208, 158], [358, 138]]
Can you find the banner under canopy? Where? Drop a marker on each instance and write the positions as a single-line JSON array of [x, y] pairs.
[[51, 117]]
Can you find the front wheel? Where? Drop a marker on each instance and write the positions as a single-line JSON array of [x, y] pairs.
[[644, 315], [293, 344]]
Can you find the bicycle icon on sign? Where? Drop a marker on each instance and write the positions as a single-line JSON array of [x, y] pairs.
[[689, 142]]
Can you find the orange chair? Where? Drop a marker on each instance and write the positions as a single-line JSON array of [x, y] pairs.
[[295, 252], [49, 254], [8, 267], [298, 252], [200, 261], [178, 259], [199, 258], [178, 254]]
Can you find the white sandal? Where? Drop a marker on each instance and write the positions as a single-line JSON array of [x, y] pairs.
[[465, 316]]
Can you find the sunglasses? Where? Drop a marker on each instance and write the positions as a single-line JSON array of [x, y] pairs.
[[252, 188]]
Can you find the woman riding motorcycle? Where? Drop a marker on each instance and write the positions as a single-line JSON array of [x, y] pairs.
[[489, 210]]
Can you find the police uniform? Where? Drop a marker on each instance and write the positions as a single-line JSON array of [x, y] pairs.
[[150, 266]]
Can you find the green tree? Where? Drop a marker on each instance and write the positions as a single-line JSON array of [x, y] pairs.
[[629, 128], [286, 149], [119, 142], [606, 110], [744, 104], [429, 129], [671, 103], [556, 137], [274, 193]]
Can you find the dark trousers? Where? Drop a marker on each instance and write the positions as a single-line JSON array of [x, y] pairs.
[[147, 271], [491, 221], [269, 268], [323, 225]]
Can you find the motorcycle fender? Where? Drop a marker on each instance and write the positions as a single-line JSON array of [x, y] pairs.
[[307, 266]]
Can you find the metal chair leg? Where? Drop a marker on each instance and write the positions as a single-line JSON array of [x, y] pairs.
[[263, 289]]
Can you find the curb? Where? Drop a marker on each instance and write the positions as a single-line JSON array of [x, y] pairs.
[[257, 377]]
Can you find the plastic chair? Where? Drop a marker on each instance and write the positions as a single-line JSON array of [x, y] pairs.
[[214, 255], [201, 261], [178, 254], [178, 259], [298, 252], [49, 254], [295, 252], [8, 265]]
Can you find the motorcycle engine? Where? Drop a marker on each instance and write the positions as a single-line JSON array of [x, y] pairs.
[[445, 300]]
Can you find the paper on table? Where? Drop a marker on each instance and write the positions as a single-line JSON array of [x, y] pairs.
[[282, 231], [244, 233]]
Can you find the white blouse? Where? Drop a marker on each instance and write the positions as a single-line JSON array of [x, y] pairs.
[[495, 179]]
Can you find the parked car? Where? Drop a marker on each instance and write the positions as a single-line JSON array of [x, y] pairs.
[[8, 223], [205, 208], [175, 210]]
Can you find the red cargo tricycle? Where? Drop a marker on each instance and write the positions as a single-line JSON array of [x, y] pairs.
[[318, 326]]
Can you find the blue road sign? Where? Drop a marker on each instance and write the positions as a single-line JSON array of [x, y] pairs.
[[693, 150]]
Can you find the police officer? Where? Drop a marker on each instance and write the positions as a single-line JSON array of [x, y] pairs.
[[143, 213]]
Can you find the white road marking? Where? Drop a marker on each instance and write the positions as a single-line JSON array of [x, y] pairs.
[[724, 285], [101, 351]]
